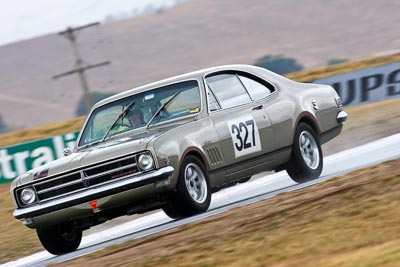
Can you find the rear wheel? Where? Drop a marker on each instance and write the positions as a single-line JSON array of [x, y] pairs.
[[60, 239], [306, 160], [193, 194]]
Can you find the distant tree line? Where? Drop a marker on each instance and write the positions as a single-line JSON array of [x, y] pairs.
[[283, 65], [334, 61], [279, 64]]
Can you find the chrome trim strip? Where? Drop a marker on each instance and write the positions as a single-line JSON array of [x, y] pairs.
[[53, 178], [77, 181], [59, 186], [341, 116], [90, 177], [67, 193], [110, 162], [93, 193], [84, 167], [84, 188]]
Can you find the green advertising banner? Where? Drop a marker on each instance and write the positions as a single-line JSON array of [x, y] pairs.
[[16, 160]]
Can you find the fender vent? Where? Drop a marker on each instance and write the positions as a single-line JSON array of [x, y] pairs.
[[214, 155]]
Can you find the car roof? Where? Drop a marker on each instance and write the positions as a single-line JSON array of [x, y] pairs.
[[195, 75]]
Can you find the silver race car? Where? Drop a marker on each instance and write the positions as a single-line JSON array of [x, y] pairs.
[[171, 143]]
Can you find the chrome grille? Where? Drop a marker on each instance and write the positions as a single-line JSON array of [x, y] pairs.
[[86, 177]]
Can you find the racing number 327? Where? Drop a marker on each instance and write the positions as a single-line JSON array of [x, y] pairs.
[[246, 128], [245, 136]]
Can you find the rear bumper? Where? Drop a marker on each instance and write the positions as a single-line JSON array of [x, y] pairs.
[[97, 192]]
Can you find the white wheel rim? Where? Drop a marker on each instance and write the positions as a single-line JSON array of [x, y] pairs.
[[309, 149], [195, 183]]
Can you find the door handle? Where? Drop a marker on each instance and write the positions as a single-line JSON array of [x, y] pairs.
[[258, 107]]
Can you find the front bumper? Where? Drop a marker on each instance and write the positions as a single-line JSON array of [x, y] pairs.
[[92, 193]]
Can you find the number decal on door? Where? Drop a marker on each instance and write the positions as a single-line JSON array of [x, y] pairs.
[[245, 136], [249, 139]]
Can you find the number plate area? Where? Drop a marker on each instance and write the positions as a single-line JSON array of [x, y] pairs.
[[245, 135]]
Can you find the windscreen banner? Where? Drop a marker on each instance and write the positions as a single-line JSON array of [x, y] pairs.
[[18, 159], [366, 85]]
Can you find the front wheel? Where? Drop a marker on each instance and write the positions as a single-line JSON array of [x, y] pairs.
[[60, 239], [193, 194], [306, 160]]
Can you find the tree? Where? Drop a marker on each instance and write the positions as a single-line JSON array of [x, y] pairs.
[[334, 61], [3, 126], [279, 64], [81, 109]]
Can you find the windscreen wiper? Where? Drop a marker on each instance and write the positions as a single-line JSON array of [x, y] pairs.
[[161, 108], [91, 144], [122, 114]]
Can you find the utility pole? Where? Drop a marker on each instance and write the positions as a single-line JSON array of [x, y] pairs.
[[71, 35]]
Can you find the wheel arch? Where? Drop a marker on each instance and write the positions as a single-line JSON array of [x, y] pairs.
[[297, 167], [308, 118], [198, 155], [192, 151]]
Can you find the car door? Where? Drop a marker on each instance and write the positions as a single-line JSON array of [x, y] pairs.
[[242, 125]]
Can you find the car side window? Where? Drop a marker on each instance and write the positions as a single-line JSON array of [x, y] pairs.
[[212, 102], [228, 91], [187, 102], [255, 89]]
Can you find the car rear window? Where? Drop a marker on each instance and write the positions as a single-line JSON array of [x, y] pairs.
[[228, 90]]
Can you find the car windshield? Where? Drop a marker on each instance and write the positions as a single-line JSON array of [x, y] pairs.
[[136, 111]]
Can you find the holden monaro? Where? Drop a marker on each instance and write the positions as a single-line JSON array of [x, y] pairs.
[[170, 144]]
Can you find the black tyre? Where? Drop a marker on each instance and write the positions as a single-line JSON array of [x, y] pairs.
[[60, 239], [306, 160], [193, 194]]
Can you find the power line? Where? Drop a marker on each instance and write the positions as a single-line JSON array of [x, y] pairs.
[[71, 34]]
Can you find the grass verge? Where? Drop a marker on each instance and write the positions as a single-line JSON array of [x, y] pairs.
[[16, 240], [347, 221]]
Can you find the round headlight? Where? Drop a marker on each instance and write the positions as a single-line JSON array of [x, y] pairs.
[[145, 162], [28, 195]]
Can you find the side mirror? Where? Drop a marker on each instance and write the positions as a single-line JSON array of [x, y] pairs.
[[67, 151]]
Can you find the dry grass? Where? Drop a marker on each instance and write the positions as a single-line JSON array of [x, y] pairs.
[[26, 135], [348, 221], [342, 222], [16, 240]]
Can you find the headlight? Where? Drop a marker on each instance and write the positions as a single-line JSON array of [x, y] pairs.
[[28, 196], [145, 162]]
